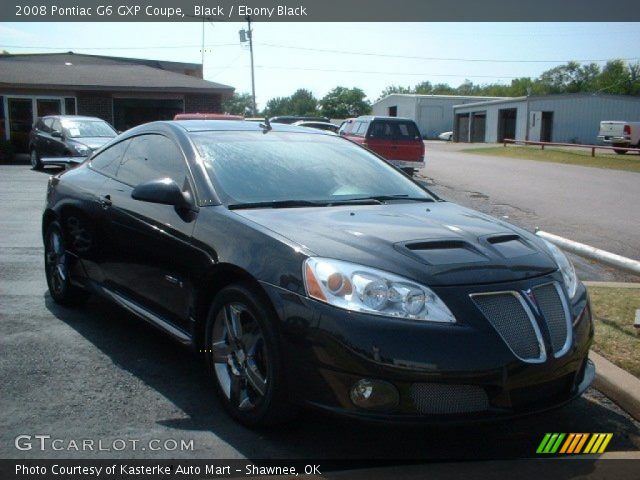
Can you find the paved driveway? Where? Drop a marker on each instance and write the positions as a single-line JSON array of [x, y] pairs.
[[591, 205]]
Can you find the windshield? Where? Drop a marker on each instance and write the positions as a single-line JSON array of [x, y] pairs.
[[250, 167], [87, 128]]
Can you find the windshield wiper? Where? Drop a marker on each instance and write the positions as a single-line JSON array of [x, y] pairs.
[[399, 196], [304, 203], [277, 204]]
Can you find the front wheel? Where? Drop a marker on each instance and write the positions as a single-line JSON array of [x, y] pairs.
[[36, 164], [243, 357], [56, 265]]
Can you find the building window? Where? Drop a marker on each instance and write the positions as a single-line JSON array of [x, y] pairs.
[[393, 111], [70, 106]]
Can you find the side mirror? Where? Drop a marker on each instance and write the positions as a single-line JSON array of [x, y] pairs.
[[164, 191], [56, 134]]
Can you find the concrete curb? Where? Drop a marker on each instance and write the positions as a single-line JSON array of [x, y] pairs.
[[612, 284], [620, 386]]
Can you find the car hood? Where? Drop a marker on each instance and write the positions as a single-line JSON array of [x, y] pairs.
[[436, 243], [92, 142]]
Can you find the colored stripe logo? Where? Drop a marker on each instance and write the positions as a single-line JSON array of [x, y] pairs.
[[574, 443]]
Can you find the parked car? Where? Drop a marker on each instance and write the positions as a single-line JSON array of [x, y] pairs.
[[308, 271], [620, 134], [66, 139], [207, 116], [289, 119], [446, 136], [396, 139], [328, 126]]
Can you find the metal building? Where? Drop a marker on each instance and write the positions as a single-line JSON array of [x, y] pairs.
[[566, 118], [432, 113]]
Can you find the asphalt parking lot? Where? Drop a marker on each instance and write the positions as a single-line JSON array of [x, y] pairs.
[[99, 373], [589, 205]]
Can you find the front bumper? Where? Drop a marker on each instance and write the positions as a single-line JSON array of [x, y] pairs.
[[328, 350]]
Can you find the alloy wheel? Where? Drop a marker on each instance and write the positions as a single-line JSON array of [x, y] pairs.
[[56, 262], [240, 356]]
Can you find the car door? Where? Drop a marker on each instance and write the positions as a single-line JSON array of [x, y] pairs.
[[153, 259], [57, 146], [42, 136]]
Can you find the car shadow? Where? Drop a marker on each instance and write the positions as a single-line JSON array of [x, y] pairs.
[[179, 375]]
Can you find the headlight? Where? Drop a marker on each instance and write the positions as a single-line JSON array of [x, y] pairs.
[[566, 268], [81, 149], [364, 289]]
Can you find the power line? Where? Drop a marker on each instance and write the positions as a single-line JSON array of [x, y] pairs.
[[411, 57], [322, 50], [372, 72]]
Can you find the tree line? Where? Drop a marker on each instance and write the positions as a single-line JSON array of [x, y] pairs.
[[615, 77]]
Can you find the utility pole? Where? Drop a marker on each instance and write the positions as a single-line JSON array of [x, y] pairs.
[[202, 50], [243, 38]]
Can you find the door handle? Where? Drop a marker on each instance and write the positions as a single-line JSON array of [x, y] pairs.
[[105, 201]]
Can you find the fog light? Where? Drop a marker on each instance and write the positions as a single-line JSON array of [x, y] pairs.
[[374, 394]]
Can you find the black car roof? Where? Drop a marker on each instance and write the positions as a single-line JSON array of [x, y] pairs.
[[72, 117], [235, 125], [378, 117]]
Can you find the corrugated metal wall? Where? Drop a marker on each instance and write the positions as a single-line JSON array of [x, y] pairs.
[[576, 119]]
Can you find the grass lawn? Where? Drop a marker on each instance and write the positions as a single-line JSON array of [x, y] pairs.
[[630, 161], [616, 337]]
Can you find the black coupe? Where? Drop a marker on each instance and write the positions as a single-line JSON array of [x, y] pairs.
[[309, 271]]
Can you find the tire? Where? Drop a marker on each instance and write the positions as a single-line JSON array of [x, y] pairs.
[[409, 171], [246, 367], [36, 164], [56, 266], [620, 151]]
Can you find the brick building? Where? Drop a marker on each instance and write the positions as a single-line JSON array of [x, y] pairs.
[[123, 91]]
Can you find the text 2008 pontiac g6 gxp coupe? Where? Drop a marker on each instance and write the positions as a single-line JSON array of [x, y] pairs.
[[311, 272]]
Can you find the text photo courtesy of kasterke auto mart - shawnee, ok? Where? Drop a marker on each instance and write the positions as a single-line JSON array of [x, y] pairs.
[[331, 239]]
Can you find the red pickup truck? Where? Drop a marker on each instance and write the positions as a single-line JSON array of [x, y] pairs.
[[396, 139]]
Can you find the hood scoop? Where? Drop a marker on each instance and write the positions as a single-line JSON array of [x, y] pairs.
[[510, 246], [444, 252]]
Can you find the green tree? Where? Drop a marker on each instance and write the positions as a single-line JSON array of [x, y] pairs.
[[238, 104], [615, 78], [302, 102], [391, 89], [277, 106], [342, 102]]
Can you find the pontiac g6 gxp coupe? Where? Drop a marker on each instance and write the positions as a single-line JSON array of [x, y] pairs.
[[311, 272]]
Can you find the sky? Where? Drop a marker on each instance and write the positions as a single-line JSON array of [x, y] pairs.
[[321, 56]]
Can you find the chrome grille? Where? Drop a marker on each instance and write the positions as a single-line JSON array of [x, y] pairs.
[[511, 317], [436, 398], [549, 298]]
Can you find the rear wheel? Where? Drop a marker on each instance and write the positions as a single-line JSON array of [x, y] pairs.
[[243, 357], [36, 164], [56, 265], [409, 171], [620, 151]]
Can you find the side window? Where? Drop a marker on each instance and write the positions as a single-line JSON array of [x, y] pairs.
[[151, 157], [360, 128], [48, 125], [108, 160], [57, 126]]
